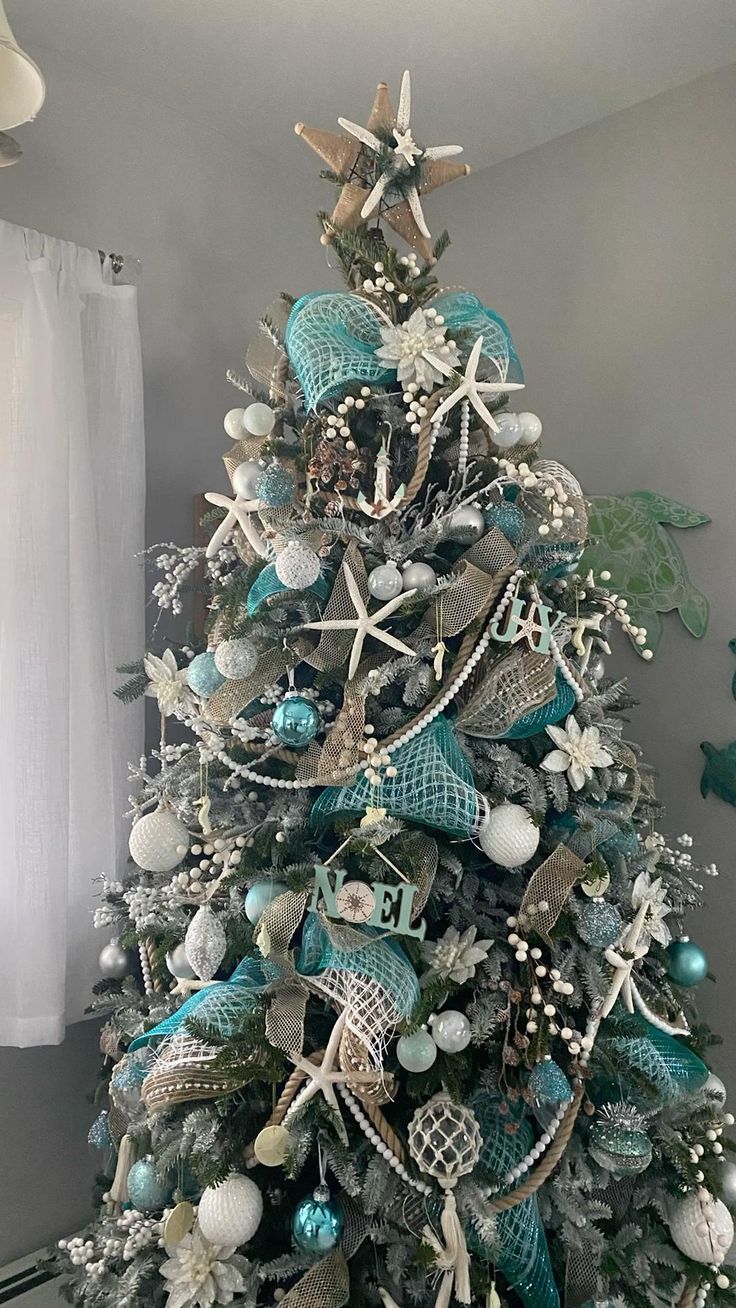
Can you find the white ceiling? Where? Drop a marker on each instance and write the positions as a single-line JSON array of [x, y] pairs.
[[497, 76]]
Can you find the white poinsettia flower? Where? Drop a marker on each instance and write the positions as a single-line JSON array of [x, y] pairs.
[[168, 683], [419, 350], [578, 752], [455, 956], [201, 1274], [654, 893]]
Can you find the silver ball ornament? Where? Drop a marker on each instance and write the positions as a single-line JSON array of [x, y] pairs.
[[726, 1176], [450, 1031], [114, 962], [419, 576], [297, 566], [596, 669], [158, 841], [510, 431], [385, 582], [178, 963], [236, 659], [245, 479], [259, 419], [531, 428], [233, 424], [416, 1052], [508, 836], [467, 524], [230, 1214], [715, 1090]]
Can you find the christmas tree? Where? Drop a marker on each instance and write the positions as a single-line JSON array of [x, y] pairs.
[[398, 1006]]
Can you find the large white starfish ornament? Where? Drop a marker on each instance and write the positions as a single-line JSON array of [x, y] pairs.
[[364, 623], [406, 152], [622, 960], [469, 388], [323, 1077], [238, 510]]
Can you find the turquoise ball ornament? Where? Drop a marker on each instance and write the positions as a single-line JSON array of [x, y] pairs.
[[295, 721], [548, 1083], [318, 1222], [259, 897], [599, 924], [145, 1191], [275, 486], [202, 675], [416, 1052], [508, 518], [687, 964]]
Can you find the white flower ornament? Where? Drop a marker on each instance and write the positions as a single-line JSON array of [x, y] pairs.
[[168, 683], [201, 1274], [418, 349], [578, 752]]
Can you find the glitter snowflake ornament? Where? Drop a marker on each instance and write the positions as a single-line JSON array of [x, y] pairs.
[[444, 1139]]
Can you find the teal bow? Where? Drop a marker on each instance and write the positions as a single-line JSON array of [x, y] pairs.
[[381, 958], [219, 1006], [331, 338]]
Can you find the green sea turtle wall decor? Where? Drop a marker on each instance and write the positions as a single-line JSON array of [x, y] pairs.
[[719, 771], [628, 539]]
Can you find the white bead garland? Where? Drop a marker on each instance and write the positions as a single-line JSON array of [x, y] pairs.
[[145, 969], [462, 458], [383, 1149]]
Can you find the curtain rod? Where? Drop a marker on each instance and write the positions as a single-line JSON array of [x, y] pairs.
[[116, 260]]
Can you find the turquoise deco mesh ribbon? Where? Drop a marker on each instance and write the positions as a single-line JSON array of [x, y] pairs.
[[523, 1256], [267, 584], [331, 338], [546, 715], [658, 1069], [381, 959], [433, 786], [219, 1006], [599, 834]]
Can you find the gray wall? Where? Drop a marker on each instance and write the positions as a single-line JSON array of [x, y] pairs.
[[609, 252]]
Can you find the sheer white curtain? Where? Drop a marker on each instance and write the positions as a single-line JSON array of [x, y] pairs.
[[71, 609]]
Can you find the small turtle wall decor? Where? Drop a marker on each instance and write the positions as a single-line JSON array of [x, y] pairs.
[[647, 567], [719, 771]]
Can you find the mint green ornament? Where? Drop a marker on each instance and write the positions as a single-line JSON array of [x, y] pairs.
[[646, 565], [259, 897], [687, 964], [202, 675], [618, 1141], [295, 721], [416, 1052]]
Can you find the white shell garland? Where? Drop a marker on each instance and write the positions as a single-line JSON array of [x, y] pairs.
[[205, 943]]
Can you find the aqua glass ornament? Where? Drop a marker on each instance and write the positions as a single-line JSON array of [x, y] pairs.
[[202, 675], [548, 1083], [145, 1191], [416, 1052], [275, 486], [508, 518], [259, 897], [618, 1140], [317, 1222], [687, 964], [295, 721], [599, 924]]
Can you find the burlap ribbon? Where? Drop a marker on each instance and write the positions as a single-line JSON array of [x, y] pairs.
[[287, 999], [550, 886], [471, 590], [514, 685]]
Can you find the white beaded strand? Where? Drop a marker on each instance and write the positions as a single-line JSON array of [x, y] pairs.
[[145, 968], [462, 458], [383, 1149]]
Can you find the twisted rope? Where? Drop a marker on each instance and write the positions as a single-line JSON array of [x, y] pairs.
[[689, 1292], [537, 1178]]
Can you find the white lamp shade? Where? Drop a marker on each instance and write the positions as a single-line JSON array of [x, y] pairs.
[[10, 151], [22, 88]]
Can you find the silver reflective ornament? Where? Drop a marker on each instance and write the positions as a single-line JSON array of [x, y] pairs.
[[450, 1031], [385, 581], [715, 1090], [726, 1177], [114, 962], [510, 430], [596, 669], [467, 524], [419, 576]]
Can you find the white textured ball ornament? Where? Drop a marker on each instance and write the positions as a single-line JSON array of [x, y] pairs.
[[233, 424], [531, 428], [297, 566], [701, 1227], [246, 478], [450, 1031], [236, 658], [508, 836], [259, 420], [230, 1214], [158, 841]]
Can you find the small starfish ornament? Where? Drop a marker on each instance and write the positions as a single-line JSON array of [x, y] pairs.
[[323, 1077], [360, 157], [364, 623], [622, 961], [238, 510], [469, 388]]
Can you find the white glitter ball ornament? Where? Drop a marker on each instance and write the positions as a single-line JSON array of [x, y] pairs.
[[701, 1227], [158, 841], [444, 1139], [205, 943], [297, 566], [236, 658], [230, 1214], [508, 836]]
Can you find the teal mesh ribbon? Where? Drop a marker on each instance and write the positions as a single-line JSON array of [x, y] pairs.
[[552, 559], [433, 786], [662, 1069], [220, 1006], [381, 959], [332, 337], [523, 1255], [546, 715], [600, 834], [267, 584]]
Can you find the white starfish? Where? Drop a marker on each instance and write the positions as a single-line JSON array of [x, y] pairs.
[[323, 1077], [406, 152], [364, 623], [470, 389], [238, 510], [623, 960]]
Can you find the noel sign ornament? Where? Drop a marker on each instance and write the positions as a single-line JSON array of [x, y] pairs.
[[388, 907]]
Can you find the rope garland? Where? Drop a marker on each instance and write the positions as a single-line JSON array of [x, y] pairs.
[[537, 1178]]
